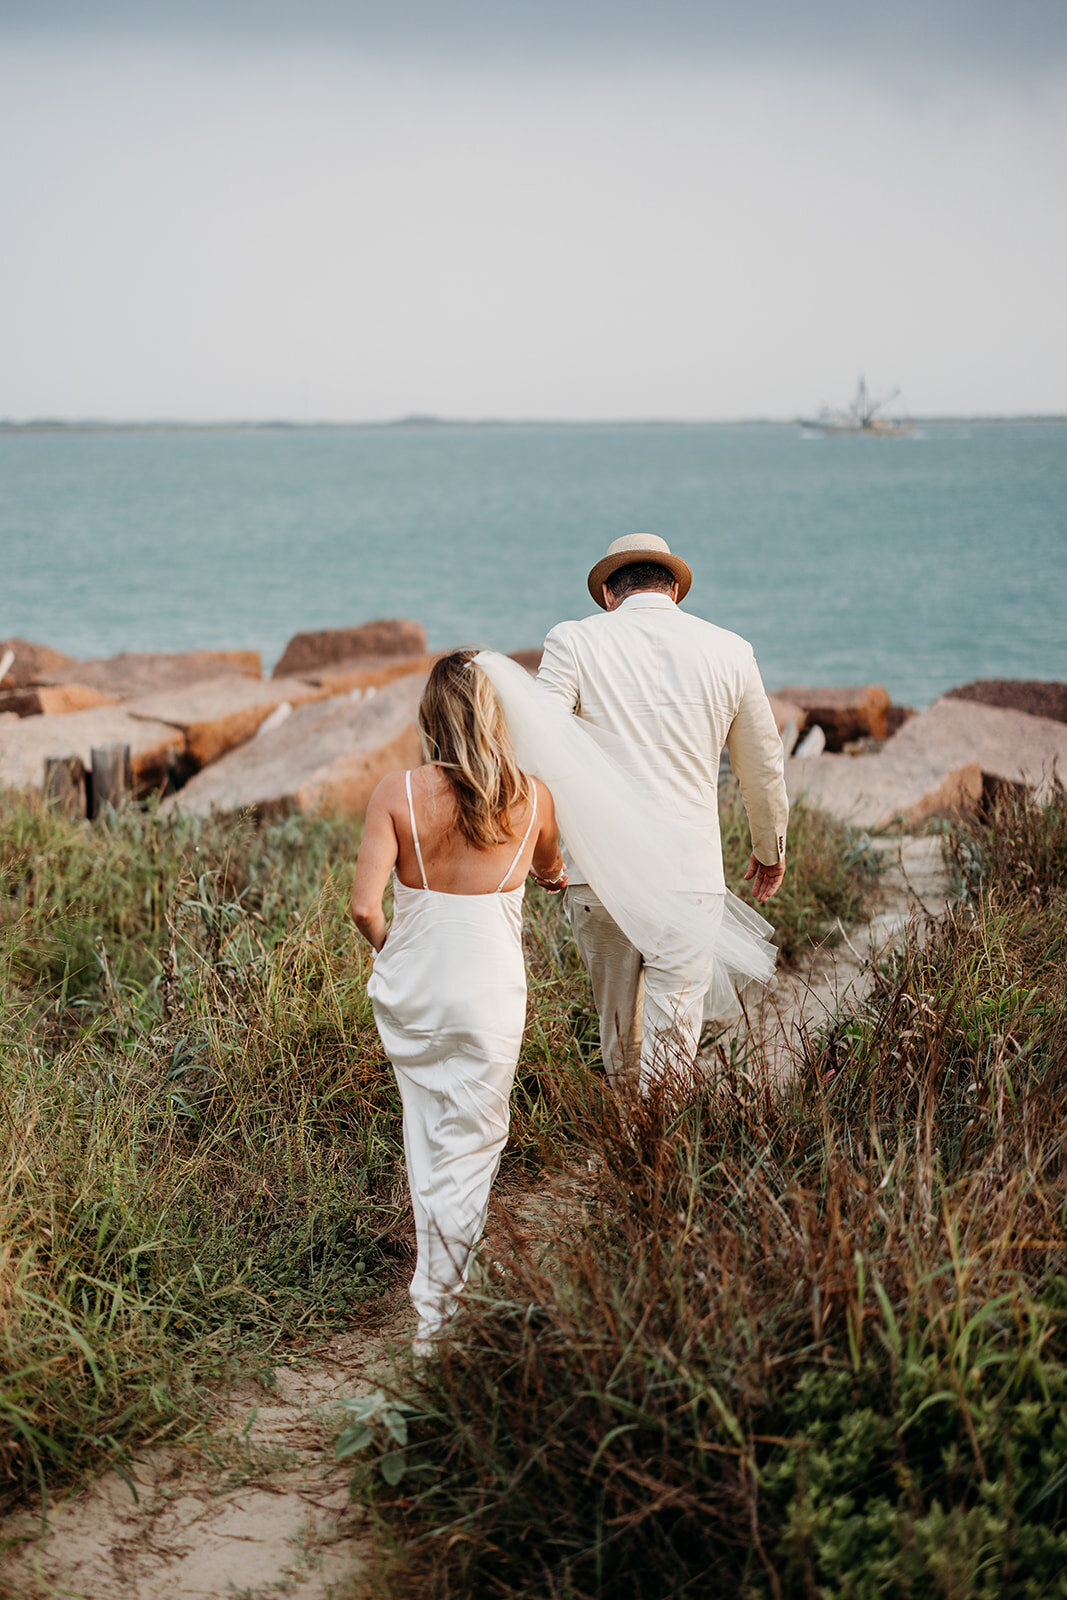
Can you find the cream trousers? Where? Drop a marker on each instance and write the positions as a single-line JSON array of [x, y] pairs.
[[649, 1022]]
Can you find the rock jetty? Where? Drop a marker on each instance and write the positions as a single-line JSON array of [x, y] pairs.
[[844, 715], [941, 761], [182, 713], [326, 757], [156, 749], [205, 728], [219, 714], [334, 647], [1017, 694]]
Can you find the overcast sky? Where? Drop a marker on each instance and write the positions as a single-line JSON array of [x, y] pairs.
[[481, 208]]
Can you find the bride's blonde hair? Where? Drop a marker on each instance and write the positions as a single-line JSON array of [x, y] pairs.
[[463, 730]]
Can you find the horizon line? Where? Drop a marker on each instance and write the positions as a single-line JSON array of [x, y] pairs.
[[431, 419]]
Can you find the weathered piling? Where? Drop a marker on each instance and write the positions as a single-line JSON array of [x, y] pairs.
[[64, 784], [112, 776]]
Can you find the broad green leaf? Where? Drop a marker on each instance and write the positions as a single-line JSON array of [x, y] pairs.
[[357, 1437]]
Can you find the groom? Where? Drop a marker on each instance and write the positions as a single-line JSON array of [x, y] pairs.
[[681, 689]]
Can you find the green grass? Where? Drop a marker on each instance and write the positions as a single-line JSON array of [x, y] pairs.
[[201, 1140], [800, 1346]]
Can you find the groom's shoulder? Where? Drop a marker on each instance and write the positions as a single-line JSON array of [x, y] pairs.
[[700, 633], [712, 636], [579, 628]]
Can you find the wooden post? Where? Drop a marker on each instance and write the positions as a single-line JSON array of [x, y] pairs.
[[64, 784], [112, 776]]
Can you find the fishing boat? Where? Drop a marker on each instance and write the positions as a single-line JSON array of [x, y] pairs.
[[865, 415]]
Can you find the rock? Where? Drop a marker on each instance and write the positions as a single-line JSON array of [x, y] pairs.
[[221, 713], [132, 674], [391, 636], [56, 701], [942, 761], [156, 749], [787, 713], [1037, 699], [325, 757], [32, 664], [530, 659], [843, 714], [372, 672], [1011, 745], [279, 715], [896, 717]]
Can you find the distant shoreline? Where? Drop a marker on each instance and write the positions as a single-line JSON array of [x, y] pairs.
[[281, 425]]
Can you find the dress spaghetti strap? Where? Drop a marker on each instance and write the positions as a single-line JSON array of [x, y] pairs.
[[515, 858], [415, 831]]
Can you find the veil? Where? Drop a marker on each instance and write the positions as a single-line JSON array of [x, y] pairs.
[[639, 861]]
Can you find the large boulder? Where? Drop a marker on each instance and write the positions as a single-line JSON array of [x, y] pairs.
[[221, 713], [325, 757], [1017, 694], [141, 673], [530, 659], [32, 664], [155, 749], [58, 700], [368, 672], [842, 714], [390, 636], [941, 761], [788, 714]]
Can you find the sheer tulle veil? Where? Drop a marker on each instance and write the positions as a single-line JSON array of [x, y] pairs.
[[640, 863]]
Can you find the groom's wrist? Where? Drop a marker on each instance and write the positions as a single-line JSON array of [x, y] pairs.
[[551, 885]]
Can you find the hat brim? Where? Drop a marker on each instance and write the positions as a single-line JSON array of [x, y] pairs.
[[627, 558]]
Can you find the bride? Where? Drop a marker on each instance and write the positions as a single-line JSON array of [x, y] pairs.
[[458, 837]]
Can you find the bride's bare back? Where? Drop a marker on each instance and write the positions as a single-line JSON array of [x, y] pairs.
[[453, 865]]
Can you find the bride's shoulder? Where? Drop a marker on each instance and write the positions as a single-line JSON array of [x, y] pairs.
[[543, 794], [391, 791]]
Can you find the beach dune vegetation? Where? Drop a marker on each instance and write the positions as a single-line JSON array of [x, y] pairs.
[[200, 1154], [800, 1345]]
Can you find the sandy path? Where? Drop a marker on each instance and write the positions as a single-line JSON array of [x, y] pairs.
[[914, 887], [253, 1511]]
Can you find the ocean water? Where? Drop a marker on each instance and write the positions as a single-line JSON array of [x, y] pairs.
[[918, 563]]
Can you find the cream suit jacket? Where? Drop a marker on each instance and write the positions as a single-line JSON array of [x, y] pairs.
[[670, 682]]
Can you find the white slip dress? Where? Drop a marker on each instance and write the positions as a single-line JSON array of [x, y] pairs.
[[448, 991]]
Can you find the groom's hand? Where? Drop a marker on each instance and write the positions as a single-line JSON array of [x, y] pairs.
[[768, 879], [551, 885]]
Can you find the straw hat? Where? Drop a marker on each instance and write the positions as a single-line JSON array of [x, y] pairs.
[[638, 547]]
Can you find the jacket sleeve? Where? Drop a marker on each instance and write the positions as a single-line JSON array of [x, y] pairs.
[[558, 672], [758, 760]]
